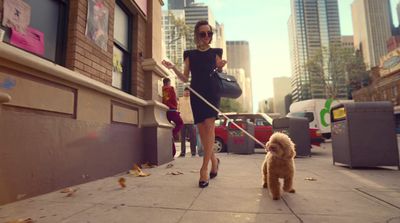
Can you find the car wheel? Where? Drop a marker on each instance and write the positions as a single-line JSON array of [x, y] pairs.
[[218, 145]]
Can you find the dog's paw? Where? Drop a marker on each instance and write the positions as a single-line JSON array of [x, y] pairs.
[[275, 198], [265, 185], [290, 190]]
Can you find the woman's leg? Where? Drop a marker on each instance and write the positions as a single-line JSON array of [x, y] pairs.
[[207, 135]]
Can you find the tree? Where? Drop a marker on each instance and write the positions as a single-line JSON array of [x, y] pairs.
[[181, 31], [230, 105], [335, 69]]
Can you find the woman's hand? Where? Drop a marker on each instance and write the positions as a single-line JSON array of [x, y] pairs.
[[221, 64], [167, 64]]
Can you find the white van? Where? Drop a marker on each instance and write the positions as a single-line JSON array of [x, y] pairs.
[[317, 111]]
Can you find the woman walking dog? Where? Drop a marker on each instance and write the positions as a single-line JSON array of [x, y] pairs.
[[200, 62]]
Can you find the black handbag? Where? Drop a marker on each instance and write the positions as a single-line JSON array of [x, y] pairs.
[[225, 85]]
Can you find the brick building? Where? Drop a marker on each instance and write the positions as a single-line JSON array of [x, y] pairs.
[[79, 92], [385, 84]]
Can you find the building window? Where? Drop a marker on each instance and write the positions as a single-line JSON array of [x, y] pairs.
[[394, 91], [48, 17], [384, 94], [122, 48]]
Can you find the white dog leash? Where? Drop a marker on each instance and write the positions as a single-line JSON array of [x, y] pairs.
[[229, 120]]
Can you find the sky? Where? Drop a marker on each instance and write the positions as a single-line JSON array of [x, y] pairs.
[[263, 23]]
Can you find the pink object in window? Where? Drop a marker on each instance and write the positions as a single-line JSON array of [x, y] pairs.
[[32, 40]]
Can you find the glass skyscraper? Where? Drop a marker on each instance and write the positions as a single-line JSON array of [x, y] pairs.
[[372, 27], [313, 26], [179, 4]]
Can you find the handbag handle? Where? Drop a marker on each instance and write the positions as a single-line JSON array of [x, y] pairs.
[[214, 71]]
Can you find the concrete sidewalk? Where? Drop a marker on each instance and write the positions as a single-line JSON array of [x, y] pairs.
[[338, 194]]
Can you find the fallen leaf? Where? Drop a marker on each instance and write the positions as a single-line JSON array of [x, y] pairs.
[[121, 182], [170, 165], [26, 220], [148, 166], [174, 173], [66, 190], [20, 196], [310, 179], [69, 191], [72, 192], [136, 171]]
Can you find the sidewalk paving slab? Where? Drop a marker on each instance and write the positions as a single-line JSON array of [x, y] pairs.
[[336, 194]]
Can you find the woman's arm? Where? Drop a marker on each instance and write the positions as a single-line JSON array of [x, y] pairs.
[[220, 63], [184, 77]]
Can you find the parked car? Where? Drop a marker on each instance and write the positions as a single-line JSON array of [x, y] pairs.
[[262, 129]]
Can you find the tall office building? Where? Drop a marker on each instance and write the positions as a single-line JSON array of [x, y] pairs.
[[219, 40], [313, 25], [239, 74], [179, 4], [194, 13], [372, 25], [238, 56], [174, 44], [281, 89]]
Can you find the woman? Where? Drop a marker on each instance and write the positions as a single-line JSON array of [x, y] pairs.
[[200, 63]]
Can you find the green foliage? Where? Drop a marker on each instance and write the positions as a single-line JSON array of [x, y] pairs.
[[230, 105], [337, 68], [181, 31]]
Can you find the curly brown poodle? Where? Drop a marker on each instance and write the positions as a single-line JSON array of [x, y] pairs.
[[279, 163]]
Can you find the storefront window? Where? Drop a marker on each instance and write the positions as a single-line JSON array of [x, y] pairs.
[[121, 50], [45, 33]]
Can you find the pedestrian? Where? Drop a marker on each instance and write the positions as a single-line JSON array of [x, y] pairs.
[[200, 150], [200, 62], [169, 99], [188, 130]]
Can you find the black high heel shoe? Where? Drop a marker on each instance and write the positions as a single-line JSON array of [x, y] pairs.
[[203, 184], [213, 175]]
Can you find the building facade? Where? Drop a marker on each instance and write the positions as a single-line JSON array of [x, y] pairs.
[[281, 89], [372, 27], [313, 26], [194, 13], [82, 103], [240, 76], [238, 56], [179, 4], [385, 84], [347, 42], [220, 41], [175, 43]]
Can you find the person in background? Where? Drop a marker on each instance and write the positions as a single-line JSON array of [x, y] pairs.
[[188, 130], [201, 62], [169, 99], [200, 150]]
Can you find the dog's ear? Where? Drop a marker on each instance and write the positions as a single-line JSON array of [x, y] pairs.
[[291, 152]]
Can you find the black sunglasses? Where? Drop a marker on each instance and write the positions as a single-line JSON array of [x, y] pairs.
[[204, 34]]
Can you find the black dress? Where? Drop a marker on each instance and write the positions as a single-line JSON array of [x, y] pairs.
[[202, 63]]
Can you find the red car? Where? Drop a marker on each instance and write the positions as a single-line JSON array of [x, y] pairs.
[[262, 129]]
